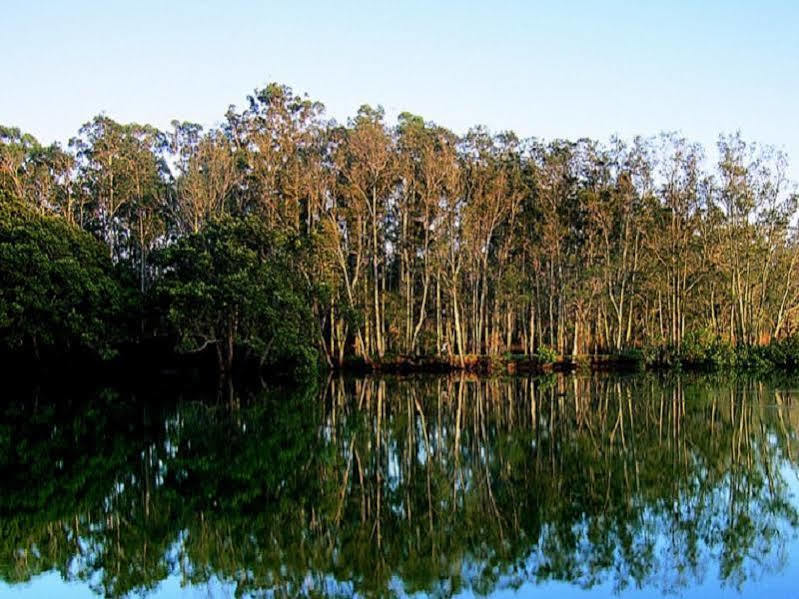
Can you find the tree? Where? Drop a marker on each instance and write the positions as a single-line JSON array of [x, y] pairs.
[[208, 174], [234, 286], [365, 164], [123, 172], [417, 241], [60, 292]]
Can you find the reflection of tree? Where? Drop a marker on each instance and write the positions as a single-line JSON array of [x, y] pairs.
[[76, 484], [421, 484]]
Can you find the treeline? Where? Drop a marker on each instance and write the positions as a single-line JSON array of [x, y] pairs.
[[408, 239]]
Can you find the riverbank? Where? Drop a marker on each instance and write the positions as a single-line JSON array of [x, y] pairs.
[[778, 355], [156, 357], [507, 364]]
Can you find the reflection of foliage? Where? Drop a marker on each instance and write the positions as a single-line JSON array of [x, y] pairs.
[[64, 475], [436, 484]]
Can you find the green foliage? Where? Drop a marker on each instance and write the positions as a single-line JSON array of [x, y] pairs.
[[546, 355], [783, 353], [426, 242], [234, 286], [703, 350], [633, 356], [60, 291]]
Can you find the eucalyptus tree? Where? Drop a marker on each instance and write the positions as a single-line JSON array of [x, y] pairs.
[[616, 208], [759, 207], [280, 131], [123, 173], [15, 150], [672, 241], [412, 140], [557, 189], [366, 167], [207, 176], [493, 194], [152, 188], [52, 183], [429, 172], [39, 175], [414, 240]]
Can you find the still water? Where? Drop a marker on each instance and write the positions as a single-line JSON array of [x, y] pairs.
[[568, 486]]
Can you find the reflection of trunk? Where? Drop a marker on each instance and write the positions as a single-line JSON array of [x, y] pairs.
[[379, 458], [343, 491], [457, 447]]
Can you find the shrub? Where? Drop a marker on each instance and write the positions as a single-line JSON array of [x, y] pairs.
[[60, 291], [633, 356], [546, 355], [235, 286]]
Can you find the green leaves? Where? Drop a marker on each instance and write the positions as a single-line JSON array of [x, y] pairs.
[[235, 286], [60, 291]]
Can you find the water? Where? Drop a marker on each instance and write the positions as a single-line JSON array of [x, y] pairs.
[[582, 486]]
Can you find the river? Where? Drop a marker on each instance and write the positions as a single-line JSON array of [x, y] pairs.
[[428, 486]]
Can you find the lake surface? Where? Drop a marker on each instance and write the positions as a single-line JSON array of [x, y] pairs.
[[578, 486]]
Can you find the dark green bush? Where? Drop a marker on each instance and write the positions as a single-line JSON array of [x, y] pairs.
[[60, 293], [235, 287], [703, 350]]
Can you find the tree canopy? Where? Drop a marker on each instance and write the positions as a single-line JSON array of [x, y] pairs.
[[233, 285], [413, 240], [60, 290]]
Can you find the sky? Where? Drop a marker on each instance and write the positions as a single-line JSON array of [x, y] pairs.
[[545, 69]]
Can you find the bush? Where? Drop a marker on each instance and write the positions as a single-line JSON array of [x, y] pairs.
[[235, 287], [546, 355], [661, 355], [782, 353], [633, 356], [701, 349], [60, 292]]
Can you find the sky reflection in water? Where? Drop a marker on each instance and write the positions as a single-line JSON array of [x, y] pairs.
[[428, 486]]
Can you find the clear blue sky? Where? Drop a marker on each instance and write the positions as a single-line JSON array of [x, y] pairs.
[[549, 69]]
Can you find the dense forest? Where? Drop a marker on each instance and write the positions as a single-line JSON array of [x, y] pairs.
[[283, 236]]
